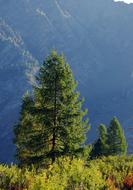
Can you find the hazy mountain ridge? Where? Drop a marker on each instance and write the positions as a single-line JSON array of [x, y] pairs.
[[96, 36]]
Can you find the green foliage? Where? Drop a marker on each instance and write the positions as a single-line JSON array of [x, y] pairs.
[[54, 123], [70, 174], [51, 132], [116, 139], [24, 132], [14, 178], [111, 140], [100, 147], [27, 135], [115, 168]]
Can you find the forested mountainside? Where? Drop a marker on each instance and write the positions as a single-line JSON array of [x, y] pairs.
[[96, 37]]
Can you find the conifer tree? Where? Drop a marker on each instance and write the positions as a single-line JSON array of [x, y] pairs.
[[57, 117], [116, 139], [28, 136], [103, 139], [22, 131], [100, 146], [59, 108]]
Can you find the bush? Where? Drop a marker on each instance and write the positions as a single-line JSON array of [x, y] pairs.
[[68, 174], [106, 173], [128, 181]]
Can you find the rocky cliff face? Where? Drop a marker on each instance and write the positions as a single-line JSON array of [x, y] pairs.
[[97, 38]]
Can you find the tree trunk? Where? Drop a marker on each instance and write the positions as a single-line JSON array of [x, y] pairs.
[[55, 122]]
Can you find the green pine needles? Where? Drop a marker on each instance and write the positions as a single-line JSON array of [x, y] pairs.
[[116, 138], [52, 122], [111, 140], [100, 147]]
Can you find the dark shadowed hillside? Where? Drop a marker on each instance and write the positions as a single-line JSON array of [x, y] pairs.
[[97, 38]]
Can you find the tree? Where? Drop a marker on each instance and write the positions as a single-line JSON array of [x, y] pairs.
[[100, 146], [57, 113], [116, 139], [22, 131]]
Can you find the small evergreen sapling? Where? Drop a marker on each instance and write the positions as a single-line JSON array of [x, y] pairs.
[[116, 138], [100, 146]]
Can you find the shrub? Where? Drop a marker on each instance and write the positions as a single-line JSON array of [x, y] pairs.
[[106, 173], [128, 181]]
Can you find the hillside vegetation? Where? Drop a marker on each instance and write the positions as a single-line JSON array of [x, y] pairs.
[[109, 173], [52, 151]]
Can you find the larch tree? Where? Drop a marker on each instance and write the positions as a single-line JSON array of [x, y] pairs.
[[116, 139], [57, 117], [100, 147], [23, 129], [59, 108]]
